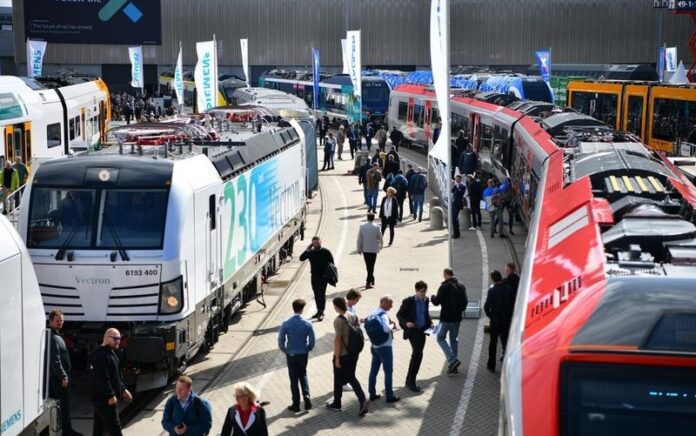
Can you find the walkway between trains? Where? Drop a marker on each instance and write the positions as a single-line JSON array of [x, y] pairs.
[[466, 402]]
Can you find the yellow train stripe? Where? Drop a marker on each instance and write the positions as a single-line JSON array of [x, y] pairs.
[[656, 184], [614, 183], [628, 184], [642, 184]]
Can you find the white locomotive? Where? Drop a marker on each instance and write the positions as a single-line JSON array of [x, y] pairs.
[[164, 242], [24, 408]]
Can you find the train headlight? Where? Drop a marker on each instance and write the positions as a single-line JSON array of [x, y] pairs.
[[172, 296]]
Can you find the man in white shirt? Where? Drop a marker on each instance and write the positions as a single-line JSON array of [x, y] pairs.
[[381, 349], [369, 243]]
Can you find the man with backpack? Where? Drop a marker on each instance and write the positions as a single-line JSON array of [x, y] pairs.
[[452, 296], [186, 413], [348, 343], [379, 329]]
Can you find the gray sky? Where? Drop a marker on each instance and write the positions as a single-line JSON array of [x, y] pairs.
[[5, 2]]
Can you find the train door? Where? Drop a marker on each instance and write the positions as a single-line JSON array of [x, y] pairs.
[[426, 125], [18, 142], [213, 243], [410, 128], [635, 110], [475, 132]]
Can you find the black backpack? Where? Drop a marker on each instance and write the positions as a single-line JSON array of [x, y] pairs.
[[356, 339]]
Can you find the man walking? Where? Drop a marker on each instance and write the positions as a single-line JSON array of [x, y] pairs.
[[9, 182], [185, 413], [319, 259], [499, 307], [340, 139], [511, 278], [353, 140], [417, 190], [373, 176], [346, 326], [381, 137], [458, 191], [107, 385], [296, 340], [60, 371], [362, 178], [329, 149], [414, 319], [369, 243], [452, 296], [379, 329], [396, 137]]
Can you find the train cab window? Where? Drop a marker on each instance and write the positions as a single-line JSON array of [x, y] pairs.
[[9, 107], [53, 135], [403, 111], [418, 112], [674, 119], [602, 106], [618, 400], [634, 121], [60, 216]]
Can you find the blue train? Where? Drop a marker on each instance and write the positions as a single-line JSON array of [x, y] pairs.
[[336, 94]]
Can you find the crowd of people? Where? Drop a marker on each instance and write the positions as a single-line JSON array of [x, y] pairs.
[[137, 108]]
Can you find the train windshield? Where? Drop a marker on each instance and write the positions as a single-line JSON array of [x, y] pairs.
[[622, 400], [537, 90], [376, 94], [97, 218]]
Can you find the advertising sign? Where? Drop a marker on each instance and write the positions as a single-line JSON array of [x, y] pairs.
[[94, 21], [206, 75], [355, 72], [179, 79], [35, 55], [315, 78], [137, 74], [244, 44]]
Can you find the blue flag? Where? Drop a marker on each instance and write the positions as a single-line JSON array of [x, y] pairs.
[[315, 70], [543, 58]]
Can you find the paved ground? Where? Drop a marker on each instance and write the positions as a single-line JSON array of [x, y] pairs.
[[466, 403]]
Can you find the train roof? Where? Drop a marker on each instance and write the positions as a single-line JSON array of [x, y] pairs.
[[19, 84], [557, 123]]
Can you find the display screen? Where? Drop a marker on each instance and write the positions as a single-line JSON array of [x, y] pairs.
[[617, 400], [94, 21]]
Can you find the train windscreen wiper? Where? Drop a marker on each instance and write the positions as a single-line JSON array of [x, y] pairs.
[[114, 236], [63, 248]]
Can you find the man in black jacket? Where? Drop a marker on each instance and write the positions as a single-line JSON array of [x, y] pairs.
[[391, 167], [106, 385], [396, 137], [319, 259], [414, 319], [499, 306], [511, 278], [452, 296], [61, 366], [475, 193]]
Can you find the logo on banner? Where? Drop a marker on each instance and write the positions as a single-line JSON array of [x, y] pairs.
[[110, 9], [316, 77], [544, 62], [36, 62], [207, 81]]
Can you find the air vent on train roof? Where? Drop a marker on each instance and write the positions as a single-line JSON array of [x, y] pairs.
[[650, 233]]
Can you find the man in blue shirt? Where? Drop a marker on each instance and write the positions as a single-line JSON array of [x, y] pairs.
[[296, 340], [414, 319], [186, 413]]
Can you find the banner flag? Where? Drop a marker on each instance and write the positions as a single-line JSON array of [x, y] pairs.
[[355, 73], [244, 43], [543, 58], [179, 79], [439, 59], [316, 77], [661, 64], [35, 55], [671, 59], [136, 58], [206, 75], [344, 55]]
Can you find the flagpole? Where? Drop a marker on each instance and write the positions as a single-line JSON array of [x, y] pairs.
[[447, 125]]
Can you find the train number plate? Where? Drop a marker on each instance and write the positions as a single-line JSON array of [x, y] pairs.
[[136, 272]]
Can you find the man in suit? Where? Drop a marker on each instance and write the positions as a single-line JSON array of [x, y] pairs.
[[369, 243], [389, 213], [414, 320], [475, 192], [458, 191], [60, 371], [499, 306]]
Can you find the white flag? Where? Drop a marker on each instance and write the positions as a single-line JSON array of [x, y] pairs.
[[354, 71], [671, 59], [35, 55], [439, 58], [206, 75], [179, 79], [136, 57], [344, 56], [245, 59]]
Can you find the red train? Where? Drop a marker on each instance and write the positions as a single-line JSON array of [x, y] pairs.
[[603, 340]]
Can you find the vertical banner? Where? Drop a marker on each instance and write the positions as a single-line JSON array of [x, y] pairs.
[[206, 76], [344, 55], [355, 72], [671, 59], [35, 55], [244, 43], [439, 58], [661, 64], [543, 58], [136, 58], [316, 77], [179, 79]]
